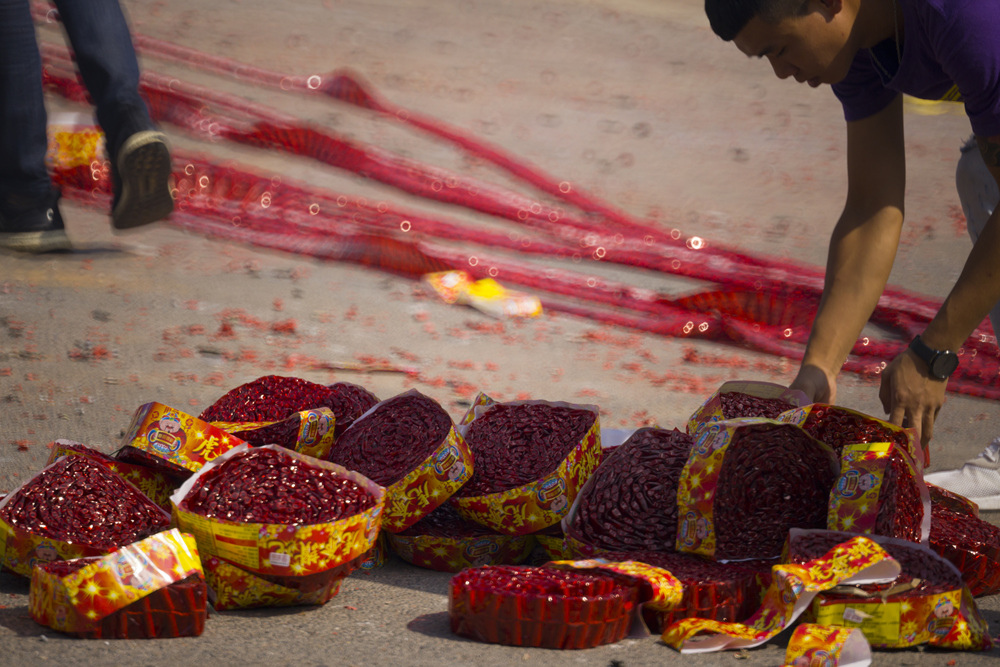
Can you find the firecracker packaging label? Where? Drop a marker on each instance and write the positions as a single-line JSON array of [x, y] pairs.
[[949, 620], [539, 504], [232, 587], [178, 438], [153, 483], [20, 551], [854, 497], [279, 549], [74, 141], [814, 645], [792, 590], [453, 554], [894, 619], [315, 434], [660, 589], [696, 488], [77, 601], [429, 485], [712, 411]]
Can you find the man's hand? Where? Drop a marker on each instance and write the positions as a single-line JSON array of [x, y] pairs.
[[911, 397], [816, 383]]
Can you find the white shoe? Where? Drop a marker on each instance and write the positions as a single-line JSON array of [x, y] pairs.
[[978, 480]]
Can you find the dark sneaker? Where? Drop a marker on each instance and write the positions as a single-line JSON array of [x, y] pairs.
[[33, 225], [142, 181]]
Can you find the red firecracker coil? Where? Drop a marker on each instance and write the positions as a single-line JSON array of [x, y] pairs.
[[541, 607]]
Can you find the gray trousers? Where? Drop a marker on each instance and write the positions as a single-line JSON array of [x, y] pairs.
[[978, 192]]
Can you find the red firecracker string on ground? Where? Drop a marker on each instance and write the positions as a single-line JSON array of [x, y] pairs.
[[764, 303]]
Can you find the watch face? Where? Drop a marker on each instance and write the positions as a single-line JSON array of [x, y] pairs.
[[944, 365]]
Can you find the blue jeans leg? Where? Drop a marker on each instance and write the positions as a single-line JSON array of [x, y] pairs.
[[23, 140], [99, 34]]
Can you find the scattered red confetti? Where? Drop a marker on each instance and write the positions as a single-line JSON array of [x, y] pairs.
[[225, 331], [284, 326], [404, 354]]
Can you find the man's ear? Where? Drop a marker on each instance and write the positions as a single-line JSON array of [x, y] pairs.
[[831, 7]]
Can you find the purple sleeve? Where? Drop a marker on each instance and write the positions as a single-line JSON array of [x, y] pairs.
[[862, 92], [968, 49], [949, 44]]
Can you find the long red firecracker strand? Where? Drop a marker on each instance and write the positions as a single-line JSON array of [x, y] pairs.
[[285, 225], [347, 87], [192, 117], [699, 261], [185, 111]]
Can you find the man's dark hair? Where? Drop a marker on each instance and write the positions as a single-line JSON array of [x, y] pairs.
[[729, 17]]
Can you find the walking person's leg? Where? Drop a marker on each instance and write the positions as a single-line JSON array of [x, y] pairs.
[[29, 212], [140, 160]]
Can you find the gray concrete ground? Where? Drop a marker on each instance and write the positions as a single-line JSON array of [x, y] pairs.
[[634, 100]]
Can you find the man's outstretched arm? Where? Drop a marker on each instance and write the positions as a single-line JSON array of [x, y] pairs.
[[862, 248], [909, 394]]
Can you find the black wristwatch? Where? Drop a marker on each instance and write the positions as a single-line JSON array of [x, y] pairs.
[[940, 363]]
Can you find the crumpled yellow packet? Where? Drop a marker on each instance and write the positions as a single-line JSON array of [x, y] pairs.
[[814, 645], [858, 560], [485, 295]]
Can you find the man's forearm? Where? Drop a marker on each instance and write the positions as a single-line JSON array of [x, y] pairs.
[[974, 294], [860, 259]]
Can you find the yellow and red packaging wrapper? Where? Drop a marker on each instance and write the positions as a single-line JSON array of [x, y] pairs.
[[815, 645], [156, 485], [454, 554], [712, 409], [535, 506], [792, 590], [151, 588], [233, 587], [552, 540], [429, 485], [74, 141], [854, 499], [578, 549], [485, 295], [896, 619], [183, 443], [378, 555], [699, 483], [277, 551], [314, 435], [657, 587]]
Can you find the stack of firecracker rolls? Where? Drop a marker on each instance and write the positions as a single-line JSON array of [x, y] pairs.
[[554, 540]]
